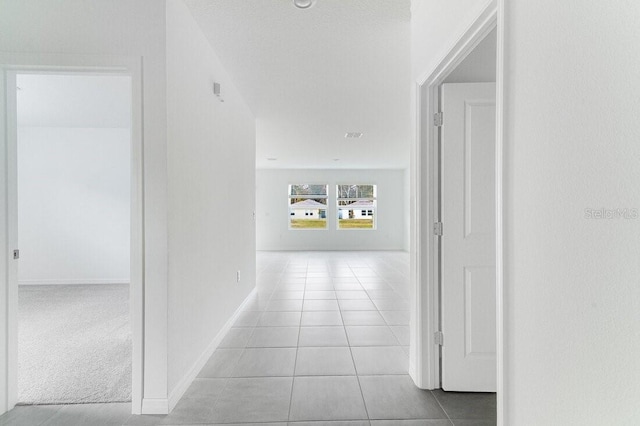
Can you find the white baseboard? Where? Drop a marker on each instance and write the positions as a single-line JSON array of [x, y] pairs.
[[186, 381], [63, 281], [155, 406]]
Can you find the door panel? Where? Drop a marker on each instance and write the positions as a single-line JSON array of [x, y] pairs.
[[479, 305], [479, 182], [468, 242]]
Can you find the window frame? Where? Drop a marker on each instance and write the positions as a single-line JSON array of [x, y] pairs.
[[370, 212], [308, 212]]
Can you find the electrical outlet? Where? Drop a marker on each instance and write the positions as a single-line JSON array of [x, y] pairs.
[[238, 276]]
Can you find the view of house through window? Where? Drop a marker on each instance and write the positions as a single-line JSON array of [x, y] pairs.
[[308, 206], [356, 206]]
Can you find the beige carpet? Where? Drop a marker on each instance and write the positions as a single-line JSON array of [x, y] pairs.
[[74, 344]]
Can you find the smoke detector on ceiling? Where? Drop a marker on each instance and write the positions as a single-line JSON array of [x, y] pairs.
[[303, 4], [353, 135]]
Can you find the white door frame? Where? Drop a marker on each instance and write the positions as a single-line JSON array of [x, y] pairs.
[[425, 354], [10, 65]]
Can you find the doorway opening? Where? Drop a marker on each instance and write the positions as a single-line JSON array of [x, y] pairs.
[[465, 253], [73, 174], [467, 250], [475, 55]]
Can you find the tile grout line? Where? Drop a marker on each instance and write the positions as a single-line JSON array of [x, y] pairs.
[[441, 406], [378, 311], [242, 352], [295, 360], [364, 402], [53, 414], [231, 375]]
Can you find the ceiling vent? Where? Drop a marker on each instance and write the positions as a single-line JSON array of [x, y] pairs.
[[353, 135]]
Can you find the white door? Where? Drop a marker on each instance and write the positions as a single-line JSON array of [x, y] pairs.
[[468, 240]]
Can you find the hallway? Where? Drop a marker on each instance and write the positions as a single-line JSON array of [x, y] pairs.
[[325, 338]]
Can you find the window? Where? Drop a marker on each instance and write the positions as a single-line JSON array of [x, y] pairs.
[[356, 206], [308, 206]]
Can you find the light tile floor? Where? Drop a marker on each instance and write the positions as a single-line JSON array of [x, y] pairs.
[[324, 341]]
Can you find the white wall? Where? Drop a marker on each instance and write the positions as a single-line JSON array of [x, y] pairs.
[[73, 205], [435, 26], [572, 283], [211, 151], [272, 216], [573, 142], [480, 64], [115, 28]]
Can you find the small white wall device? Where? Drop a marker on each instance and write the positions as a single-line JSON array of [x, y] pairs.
[[216, 91]]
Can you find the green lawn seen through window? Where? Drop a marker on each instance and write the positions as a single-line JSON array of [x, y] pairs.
[[308, 223], [355, 223], [322, 223]]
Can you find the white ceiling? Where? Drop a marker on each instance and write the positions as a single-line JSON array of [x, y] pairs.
[[58, 100], [312, 75]]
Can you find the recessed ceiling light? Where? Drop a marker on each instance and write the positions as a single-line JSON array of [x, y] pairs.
[[303, 4], [353, 135], [271, 159]]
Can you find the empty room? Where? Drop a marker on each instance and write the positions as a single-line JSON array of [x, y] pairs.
[[73, 177]]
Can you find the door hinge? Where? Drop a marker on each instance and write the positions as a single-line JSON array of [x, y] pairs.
[[437, 228], [438, 338], [16, 254], [438, 119]]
